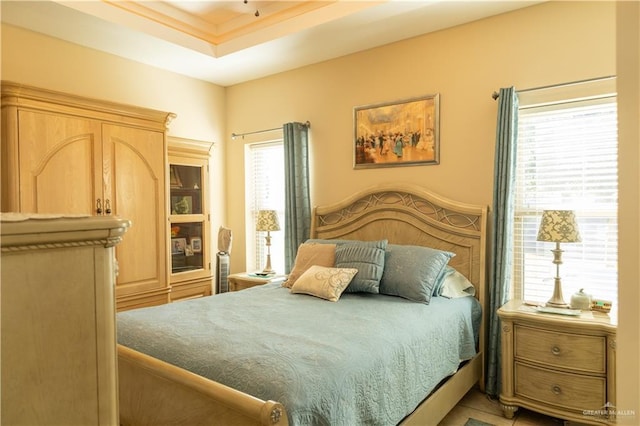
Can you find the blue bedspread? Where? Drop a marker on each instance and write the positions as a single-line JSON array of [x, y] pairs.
[[366, 359]]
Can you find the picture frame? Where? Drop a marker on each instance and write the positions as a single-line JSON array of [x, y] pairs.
[[397, 133], [178, 245], [196, 244]]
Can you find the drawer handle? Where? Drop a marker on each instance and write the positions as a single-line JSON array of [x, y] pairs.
[[555, 350], [556, 389]]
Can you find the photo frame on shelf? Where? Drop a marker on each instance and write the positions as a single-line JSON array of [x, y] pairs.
[[196, 244], [178, 245], [181, 204], [398, 133]]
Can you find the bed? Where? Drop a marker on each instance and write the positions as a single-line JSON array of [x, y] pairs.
[[279, 357]]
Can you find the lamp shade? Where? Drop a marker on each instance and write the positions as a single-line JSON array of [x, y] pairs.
[[559, 226], [267, 221]]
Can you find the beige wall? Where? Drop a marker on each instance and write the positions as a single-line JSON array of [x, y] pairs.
[[542, 45], [628, 63], [33, 59]]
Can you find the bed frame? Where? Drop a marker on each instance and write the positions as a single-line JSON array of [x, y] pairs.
[[153, 392]]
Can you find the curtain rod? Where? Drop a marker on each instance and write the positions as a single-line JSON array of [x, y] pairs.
[[495, 95], [242, 135]]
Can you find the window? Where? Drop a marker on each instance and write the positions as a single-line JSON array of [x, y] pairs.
[[264, 190], [567, 159]]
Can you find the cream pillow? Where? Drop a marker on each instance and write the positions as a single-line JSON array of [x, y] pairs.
[[321, 281], [457, 285], [310, 254]]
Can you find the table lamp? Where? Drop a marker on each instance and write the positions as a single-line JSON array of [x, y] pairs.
[[268, 221], [558, 226]]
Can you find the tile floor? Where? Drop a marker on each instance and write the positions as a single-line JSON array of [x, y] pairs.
[[478, 406]]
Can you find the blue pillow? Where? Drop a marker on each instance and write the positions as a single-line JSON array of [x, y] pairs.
[[412, 272], [370, 261], [368, 258]]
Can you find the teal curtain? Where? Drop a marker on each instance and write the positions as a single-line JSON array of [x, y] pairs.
[[502, 234], [297, 201]]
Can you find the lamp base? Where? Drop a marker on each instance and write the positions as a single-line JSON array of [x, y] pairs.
[[557, 301], [268, 270], [552, 304]]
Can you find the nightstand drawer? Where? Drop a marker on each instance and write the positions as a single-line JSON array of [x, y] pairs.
[[570, 391], [562, 350]]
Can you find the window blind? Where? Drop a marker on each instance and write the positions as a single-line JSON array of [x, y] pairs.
[[264, 190], [567, 160]]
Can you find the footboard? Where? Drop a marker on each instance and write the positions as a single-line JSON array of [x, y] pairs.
[[433, 409], [153, 392]]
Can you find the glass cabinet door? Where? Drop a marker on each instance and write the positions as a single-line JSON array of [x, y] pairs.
[[187, 218], [188, 210]]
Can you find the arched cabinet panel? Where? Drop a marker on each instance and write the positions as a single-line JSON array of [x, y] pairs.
[[68, 154], [134, 188], [58, 157]]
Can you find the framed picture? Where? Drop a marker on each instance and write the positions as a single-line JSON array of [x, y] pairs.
[[400, 133], [196, 244], [181, 204], [178, 245]]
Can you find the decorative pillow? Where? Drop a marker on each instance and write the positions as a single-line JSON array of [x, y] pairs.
[[368, 259], [437, 288], [310, 254], [457, 285], [412, 272], [326, 283]]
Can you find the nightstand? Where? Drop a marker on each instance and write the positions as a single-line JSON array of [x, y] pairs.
[[244, 280], [559, 365]]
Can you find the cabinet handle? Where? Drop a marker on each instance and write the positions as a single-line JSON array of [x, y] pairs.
[[107, 206], [99, 206], [555, 350], [556, 389]]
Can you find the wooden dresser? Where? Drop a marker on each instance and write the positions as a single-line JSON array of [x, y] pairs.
[[58, 361], [562, 366]]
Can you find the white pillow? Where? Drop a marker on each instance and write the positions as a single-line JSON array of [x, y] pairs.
[[324, 282], [457, 285]]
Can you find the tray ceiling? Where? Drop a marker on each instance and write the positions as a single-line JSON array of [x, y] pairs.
[[228, 42]]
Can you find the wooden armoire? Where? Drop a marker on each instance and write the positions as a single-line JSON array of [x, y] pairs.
[[69, 154]]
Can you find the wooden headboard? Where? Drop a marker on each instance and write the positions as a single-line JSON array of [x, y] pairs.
[[409, 214]]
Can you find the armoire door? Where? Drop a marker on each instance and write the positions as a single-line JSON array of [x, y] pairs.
[[60, 163], [134, 188]]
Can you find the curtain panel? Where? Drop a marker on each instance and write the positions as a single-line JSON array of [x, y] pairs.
[[502, 233], [297, 199]]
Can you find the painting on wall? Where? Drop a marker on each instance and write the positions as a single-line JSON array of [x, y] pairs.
[[399, 133]]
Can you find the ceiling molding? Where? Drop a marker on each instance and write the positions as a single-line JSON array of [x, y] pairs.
[[223, 42]]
